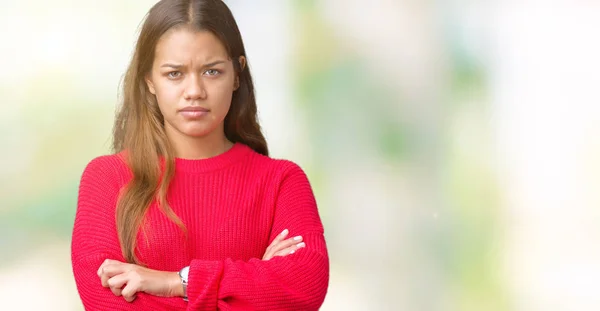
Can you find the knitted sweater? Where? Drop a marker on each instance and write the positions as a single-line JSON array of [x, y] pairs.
[[233, 206]]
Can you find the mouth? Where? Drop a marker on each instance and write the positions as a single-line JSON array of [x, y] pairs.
[[194, 108], [194, 112]]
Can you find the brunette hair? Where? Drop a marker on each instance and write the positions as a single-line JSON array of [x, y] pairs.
[[139, 125]]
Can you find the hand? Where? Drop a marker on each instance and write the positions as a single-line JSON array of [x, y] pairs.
[[281, 247], [125, 279]]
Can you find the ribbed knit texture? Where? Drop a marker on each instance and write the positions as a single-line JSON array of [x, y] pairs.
[[233, 206]]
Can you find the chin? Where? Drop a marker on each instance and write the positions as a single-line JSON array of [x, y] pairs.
[[197, 132]]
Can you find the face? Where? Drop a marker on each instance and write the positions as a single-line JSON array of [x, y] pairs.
[[193, 80]]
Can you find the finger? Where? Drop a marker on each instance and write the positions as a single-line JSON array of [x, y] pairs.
[[129, 292], [287, 243], [279, 238], [269, 251], [111, 270], [290, 250], [281, 246], [117, 282], [106, 262], [116, 291]]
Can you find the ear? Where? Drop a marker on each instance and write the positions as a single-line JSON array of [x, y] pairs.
[[242, 62], [150, 84]]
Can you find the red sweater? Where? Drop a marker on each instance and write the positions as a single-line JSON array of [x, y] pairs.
[[233, 206]]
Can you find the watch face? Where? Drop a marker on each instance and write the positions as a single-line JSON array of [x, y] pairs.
[[184, 273]]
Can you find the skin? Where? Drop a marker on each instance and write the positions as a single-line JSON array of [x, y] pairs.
[[193, 69], [125, 279], [190, 69]]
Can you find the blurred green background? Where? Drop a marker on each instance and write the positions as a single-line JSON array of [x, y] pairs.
[[452, 145]]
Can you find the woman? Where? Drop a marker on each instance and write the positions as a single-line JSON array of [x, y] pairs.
[[190, 213]]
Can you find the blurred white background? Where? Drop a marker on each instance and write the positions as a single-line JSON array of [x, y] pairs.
[[453, 146]]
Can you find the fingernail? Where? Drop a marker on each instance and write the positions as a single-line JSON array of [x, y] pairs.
[[298, 238], [301, 245], [292, 252], [285, 232]]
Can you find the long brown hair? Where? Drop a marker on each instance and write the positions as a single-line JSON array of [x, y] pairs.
[[139, 124]]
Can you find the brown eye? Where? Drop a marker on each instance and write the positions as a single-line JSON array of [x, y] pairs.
[[174, 74], [212, 72]]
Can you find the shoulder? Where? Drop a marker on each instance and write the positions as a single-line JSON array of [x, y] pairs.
[[274, 164], [278, 169], [105, 169], [106, 164], [288, 167]]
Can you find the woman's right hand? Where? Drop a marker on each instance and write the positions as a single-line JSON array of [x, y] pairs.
[[282, 247]]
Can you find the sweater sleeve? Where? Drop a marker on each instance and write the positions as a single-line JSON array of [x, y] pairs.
[[95, 239], [294, 282]]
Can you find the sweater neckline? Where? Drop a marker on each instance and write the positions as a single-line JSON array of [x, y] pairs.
[[233, 155]]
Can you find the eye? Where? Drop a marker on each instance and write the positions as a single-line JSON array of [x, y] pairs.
[[212, 72], [174, 74]]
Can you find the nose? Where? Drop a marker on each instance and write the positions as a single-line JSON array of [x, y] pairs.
[[195, 88]]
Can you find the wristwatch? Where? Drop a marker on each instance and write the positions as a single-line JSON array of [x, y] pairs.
[[183, 274]]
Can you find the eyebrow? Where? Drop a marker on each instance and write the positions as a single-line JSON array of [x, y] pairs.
[[177, 66]]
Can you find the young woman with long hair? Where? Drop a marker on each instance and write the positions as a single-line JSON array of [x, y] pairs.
[[190, 213]]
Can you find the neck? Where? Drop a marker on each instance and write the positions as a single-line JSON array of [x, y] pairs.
[[195, 148]]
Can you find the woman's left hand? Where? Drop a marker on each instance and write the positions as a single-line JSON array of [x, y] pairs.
[[125, 279]]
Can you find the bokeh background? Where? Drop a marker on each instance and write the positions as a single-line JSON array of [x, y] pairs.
[[453, 146]]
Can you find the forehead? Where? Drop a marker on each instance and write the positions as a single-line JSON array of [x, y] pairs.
[[184, 45]]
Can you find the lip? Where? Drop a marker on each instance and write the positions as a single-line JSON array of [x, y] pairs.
[[194, 112], [194, 108]]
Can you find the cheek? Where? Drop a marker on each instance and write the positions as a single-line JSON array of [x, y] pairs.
[[167, 94], [221, 94], [224, 102]]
